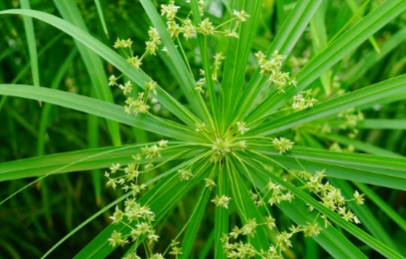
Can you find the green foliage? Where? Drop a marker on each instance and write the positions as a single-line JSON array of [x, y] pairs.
[[230, 129]]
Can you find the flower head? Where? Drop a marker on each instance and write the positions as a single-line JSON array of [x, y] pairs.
[[282, 144], [221, 201], [242, 16]]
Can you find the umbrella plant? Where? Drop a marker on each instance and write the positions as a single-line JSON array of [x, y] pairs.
[[257, 135]]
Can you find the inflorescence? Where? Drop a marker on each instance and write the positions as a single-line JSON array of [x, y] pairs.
[[140, 220]]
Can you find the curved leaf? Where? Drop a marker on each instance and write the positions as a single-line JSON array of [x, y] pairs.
[[337, 50], [366, 95], [81, 160], [111, 56], [100, 108]]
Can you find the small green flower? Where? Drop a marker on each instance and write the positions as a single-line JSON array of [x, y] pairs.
[[221, 201], [282, 144]]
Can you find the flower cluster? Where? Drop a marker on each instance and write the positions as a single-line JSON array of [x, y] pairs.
[[177, 26], [187, 28], [242, 127], [205, 27], [242, 250], [139, 104], [130, 173], [201, 82], [136, 106], [330, 196], [151, 48], [175, 249], [220, 148], [224, 146], [209, 183], [170, 10], [122, 44], [273, 69], [278, 194], [336, 147], [217, 62], [282, 144], [185, 174], [221, 201], [303, 100], [351, 119], [138, 218]]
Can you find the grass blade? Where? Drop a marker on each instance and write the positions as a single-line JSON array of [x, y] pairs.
[[115, 59], [161, 198], [347, 170], [399, 124], [81, 161], [338, 49], [364, 96], [194, 223], [32, 46], [372, 58], [101, 109], [286, 38], [70, 12], [221, 214], [355, 231], [186, 79], [237, 54], [101, 16], [333, 241]]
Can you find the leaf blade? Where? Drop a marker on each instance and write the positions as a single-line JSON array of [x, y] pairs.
[[98, 108]]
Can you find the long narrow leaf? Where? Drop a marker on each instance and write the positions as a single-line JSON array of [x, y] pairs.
[[93, 63], [80, 161], [99, 108], [366, 95], [333, 53], [355, 231], [111, 56]]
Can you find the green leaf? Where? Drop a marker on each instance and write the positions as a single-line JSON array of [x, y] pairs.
[[359, 145], [82, 160], [333, 241], [395, 124], [238, 51], [365, 215], [101, 16], [94, 66], [372, 58], [319, 42], [352, 229], [101, 109], [377, 170], [357, 12], [47, 106], [202, 40], [115, 59], [391, 166], [383, 205], [185, 78], [194, 223], [284, 41], [161, 199], [337, 50], [221, 214], [246, 207], [366, 95], [32, 45]]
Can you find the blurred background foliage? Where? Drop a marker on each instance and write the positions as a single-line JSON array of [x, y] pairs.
[[34, 220]]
